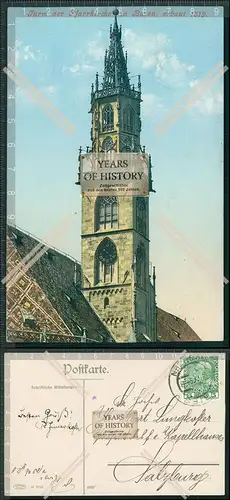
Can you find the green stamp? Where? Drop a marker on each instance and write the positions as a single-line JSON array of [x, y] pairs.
[[199, 377]]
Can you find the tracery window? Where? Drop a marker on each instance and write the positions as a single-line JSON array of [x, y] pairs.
[[128, 119], [106, 262], [141, 215], [141, 266], [106, 213], [107, 118]]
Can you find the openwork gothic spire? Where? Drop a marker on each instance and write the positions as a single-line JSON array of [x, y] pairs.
[[116, 77], [115, 70]]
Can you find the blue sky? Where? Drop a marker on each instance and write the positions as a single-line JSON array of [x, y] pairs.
[[61, 57]]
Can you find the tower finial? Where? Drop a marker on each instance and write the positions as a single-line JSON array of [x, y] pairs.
[[116, 12], [139, 83], [96, 83]]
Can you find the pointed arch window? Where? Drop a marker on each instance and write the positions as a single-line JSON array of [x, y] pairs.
[[141, 266], [106, 213], [96, 118], [128, 119], [107, 118], [106, 302], [106, 262], [141, 215]]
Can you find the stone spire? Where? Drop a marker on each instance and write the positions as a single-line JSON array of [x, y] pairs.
[[116, 76], [115, 69]]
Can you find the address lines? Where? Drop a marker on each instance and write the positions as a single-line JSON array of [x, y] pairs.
[[11, 216]]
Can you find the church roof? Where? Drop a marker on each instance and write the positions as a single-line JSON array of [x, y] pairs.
[[55, 274], [59, 278], [171, 328]]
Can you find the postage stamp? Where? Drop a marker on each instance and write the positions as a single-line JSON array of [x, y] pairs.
[[195, 379], [115, 425]]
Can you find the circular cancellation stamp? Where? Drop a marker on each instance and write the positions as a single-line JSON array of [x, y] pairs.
[[194, 379]]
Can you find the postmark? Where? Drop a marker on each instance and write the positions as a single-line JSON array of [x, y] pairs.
[[115, 424], [194, 380]]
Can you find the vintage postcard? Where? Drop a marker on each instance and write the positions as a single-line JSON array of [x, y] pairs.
[[115, 174], [114, 424]]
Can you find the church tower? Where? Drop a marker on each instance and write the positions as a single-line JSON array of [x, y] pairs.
[[115, 229]]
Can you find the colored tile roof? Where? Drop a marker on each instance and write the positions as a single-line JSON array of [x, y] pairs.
[[55, 274]]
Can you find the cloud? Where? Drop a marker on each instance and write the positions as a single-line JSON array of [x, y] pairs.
[[78, 68], [81, 64], [145, 47], [152, 106], [26, 52], [49, 89], [211, 103], [171, 70], [156, 51], [95, 48], [85, 58]]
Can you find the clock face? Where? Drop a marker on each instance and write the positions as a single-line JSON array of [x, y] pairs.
[[107, 144]]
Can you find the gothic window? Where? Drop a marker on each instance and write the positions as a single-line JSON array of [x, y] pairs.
[[106, 214], [141, 267], [128, 119], [96, 118], [141, 216], [106, 302], [105, 262], [107, 144], [107, 118]]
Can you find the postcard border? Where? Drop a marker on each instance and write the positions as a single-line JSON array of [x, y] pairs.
[[90, 353], [3, 171], [202, 346]]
